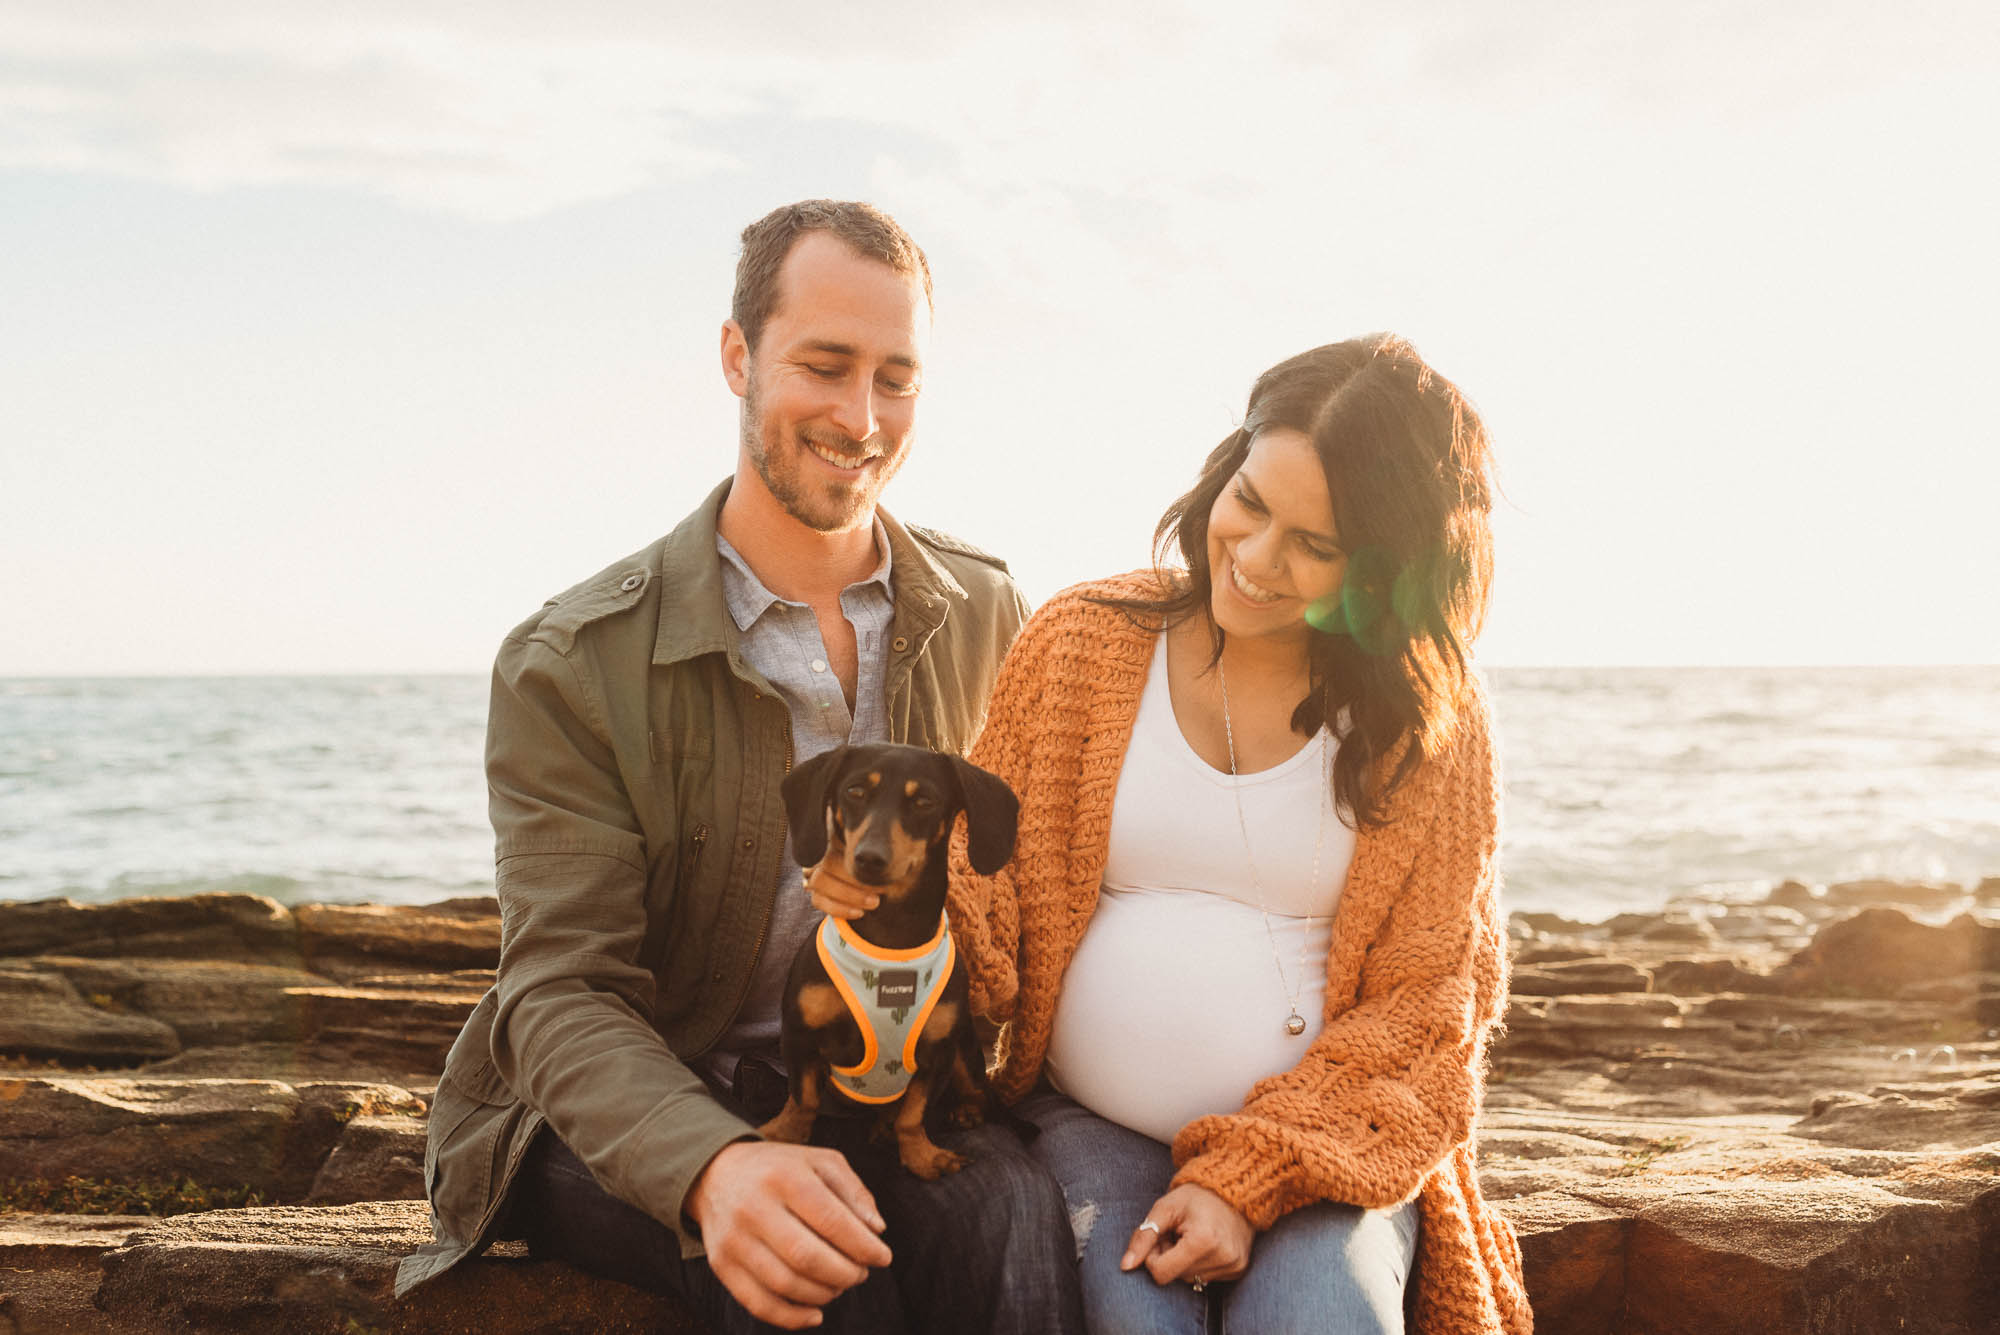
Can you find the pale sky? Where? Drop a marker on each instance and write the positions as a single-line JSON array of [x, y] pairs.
[[337, 337]]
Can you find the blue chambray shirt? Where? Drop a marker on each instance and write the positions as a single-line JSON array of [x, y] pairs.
[[781, 641]]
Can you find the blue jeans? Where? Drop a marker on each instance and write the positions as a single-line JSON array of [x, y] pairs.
[[1322, 1268], [986, 1249]]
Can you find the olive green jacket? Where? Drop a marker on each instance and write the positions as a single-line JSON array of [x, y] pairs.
[[633, 761]]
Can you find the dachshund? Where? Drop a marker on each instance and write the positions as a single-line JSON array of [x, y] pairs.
[[874, 1011]]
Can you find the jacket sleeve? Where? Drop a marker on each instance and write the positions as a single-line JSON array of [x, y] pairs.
[[1393, 1082], [573, 1033]]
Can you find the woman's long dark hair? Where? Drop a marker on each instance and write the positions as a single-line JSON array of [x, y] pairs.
[[1408, 469]]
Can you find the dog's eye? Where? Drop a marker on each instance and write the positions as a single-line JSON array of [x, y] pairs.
[[857, 791], [923, 802]]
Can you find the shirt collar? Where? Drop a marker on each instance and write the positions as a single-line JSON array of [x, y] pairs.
[[747, 599]]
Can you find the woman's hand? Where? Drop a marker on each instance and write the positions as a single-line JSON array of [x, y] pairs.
[[1198, 1236], [835, 895]]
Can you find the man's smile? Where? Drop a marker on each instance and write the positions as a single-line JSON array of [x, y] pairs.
[[845, 463]]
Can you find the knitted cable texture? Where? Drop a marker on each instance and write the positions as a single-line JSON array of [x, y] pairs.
[[1380, 1107]]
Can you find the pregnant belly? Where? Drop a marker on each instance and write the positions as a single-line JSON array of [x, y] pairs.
[[1173, 1006]]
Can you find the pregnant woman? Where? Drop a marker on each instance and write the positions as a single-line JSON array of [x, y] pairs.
[[1249, 948]]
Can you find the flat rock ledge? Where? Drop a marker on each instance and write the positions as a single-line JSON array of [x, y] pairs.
[[310, 1270], [1773, 1118]]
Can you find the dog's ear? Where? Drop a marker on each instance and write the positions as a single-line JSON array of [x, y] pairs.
[[805, 804], [992, 814]]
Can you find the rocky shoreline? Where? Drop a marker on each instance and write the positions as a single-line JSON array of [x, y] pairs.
[[1774, 1117]]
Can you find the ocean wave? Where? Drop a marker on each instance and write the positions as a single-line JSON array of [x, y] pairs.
[[1623, 787], [1736, 718], [1966, 757], [274, 885]]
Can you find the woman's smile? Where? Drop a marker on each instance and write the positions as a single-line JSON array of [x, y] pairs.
[[1244, 585]]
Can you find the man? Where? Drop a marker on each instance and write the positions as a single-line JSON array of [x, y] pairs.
[[602, 1098]]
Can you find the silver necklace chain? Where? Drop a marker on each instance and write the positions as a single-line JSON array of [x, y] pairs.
[[1295, 1023]]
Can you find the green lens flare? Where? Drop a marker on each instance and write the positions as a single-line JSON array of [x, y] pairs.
[[1324, 614], [1369, 607]]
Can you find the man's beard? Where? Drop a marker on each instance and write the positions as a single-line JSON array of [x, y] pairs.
[[829, 508]]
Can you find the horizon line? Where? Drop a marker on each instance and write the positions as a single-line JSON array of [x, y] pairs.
[[242, 674]]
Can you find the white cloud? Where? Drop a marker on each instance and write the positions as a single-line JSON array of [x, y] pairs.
[[469, 121], [511, 108], [1661, 246]]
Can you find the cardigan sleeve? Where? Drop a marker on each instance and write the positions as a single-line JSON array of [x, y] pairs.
[[1393, 1081], [985, 910]]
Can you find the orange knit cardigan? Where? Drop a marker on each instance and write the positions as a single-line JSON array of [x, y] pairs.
[[1381, 1105]]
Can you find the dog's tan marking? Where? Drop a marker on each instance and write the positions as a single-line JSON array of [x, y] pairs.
[[794, 1125], [853, 841], [907, 855], [910, 787], [941, 1020], [913, 1143], [820, 1005], [874, 778]]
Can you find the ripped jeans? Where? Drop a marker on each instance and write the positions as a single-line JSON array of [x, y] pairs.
[[982, 1250], [1321, 1268]]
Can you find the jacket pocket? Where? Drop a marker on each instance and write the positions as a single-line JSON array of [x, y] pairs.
[[465, 1141], [460, 1156]]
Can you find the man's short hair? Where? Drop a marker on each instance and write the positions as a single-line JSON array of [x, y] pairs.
[[865, 229]]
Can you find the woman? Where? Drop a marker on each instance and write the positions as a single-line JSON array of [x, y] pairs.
[[1249, 947]]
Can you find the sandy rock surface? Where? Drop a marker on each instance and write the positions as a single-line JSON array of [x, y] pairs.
[[1773, 1117]]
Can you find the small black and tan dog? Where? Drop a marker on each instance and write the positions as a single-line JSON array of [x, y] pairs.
[[874, 1010]]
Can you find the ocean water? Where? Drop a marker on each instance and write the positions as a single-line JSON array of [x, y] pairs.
[[1624, 787]]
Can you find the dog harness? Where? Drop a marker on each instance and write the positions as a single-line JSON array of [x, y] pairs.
[[890, 993]]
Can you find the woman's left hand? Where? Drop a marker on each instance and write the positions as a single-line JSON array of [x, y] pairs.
[[1199, 1236]]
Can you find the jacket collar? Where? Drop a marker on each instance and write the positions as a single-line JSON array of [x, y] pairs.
[[694, 615]]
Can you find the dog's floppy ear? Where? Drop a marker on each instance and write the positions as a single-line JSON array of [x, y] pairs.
[[992, 813], [805, 804]]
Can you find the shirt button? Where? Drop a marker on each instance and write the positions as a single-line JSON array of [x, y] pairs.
[[819, 665], [900, 643], [631, 582]]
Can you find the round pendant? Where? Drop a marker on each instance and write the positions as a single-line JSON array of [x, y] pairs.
[[1295, 1024]]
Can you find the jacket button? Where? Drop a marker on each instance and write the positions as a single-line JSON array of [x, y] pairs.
[[900, 643], [631, 582], [749, 844]]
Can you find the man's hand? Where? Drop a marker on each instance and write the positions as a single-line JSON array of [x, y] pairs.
[[788, 1228], [1200, 1236], [835, 895]]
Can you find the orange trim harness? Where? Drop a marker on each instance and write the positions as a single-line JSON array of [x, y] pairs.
[[890, 994]]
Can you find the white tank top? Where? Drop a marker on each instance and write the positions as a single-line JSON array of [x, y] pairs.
[[1173, 1006]]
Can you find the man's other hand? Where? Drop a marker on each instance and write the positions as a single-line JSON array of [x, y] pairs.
[[788, 1228], [834, 894]]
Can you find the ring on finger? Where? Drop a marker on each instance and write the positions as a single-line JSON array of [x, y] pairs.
[[1198, 1284], [1149, 1227]]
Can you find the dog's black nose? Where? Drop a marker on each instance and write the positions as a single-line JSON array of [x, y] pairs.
[[871, 867]]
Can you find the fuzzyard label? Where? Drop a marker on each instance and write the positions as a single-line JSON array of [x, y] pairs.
[[896, 988]]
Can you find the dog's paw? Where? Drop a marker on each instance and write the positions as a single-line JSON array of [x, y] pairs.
[[790, 1126], [931, 1163]]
